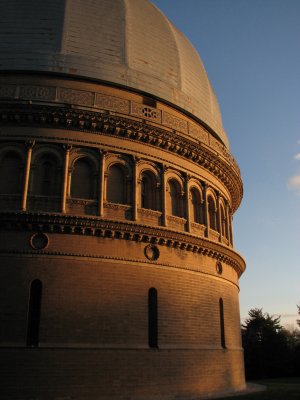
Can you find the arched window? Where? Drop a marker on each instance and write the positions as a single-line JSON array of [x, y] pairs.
[[83, 182], [11, 174], [212, 213], [222, 323], [152, 318], [175, 198], [34, 313], [148, 191], [224, 230], [46, 177], [197, 208], [116, 185]]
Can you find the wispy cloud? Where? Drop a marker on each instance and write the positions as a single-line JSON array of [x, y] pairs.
[[297, 157], [294, 184]]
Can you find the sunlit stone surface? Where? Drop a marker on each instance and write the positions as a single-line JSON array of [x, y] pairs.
[[117, 190]]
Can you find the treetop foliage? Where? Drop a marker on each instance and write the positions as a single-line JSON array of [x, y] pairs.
[[270, 350]]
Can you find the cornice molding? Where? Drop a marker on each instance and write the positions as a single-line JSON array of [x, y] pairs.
[[91, 226], [104, 123]]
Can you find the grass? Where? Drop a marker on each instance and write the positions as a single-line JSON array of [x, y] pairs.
[[277, 389]]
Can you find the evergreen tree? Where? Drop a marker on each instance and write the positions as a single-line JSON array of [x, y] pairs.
[[266, 346]]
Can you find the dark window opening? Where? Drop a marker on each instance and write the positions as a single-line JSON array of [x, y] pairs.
[[222, 323], [10, 174], [34, 313], [149, 102], [148, 191], [197, 212], [116, 185], [212, 214], [174, 190], [83, 180], [152, 318]]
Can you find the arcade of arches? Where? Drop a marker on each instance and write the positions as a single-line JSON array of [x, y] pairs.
[[89, 182]]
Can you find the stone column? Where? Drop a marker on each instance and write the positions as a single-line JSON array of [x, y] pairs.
[[101, 182], [29, 146], [163, 195], [206, 217], [227, 222], [230, 227], [187, 202], [65, 178], [135, 189], [219, 218]]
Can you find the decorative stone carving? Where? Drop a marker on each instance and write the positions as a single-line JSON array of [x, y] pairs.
[[151, 252], [223, 168], [219, 267], [7, 91], [174, 122], [75, 96], [39, 241], [37, 92], [112, 103], [114, 206], [146, 112], [88, 225], [198, 133]]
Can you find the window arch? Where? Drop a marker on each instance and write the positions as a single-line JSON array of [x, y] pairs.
[[116, 185], [197, 207], [224, 226], [152, 318], [83, 182], [34, 313], [175, 206], [148, 191], [212, 213], [11, 174], [46, 176]]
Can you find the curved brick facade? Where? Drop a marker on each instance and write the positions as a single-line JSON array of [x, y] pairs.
[[97, 259], [118, 274]]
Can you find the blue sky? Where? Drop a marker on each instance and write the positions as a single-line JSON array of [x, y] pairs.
[[251, 51]]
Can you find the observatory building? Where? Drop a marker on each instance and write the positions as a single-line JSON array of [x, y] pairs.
[[118, 277]]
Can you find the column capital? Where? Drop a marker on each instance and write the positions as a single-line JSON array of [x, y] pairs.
[[136, 159], [67, 147], [29, 144], [102, 152], [165, 168]]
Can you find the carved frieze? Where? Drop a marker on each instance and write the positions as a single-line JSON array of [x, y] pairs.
[[112, 103], [7, 91], [198, 133], [223, 168], [31, 92], [92, 226], [146, 112], [175, 122], [73, 96]]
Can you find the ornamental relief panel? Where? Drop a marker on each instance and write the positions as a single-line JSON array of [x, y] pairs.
[[37, 92], [8, 91], [73, 96], [198, 133], [147, 112], [174, 122], [112, 103], [94, 227]]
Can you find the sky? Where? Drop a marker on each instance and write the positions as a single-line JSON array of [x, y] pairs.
[[251, 52]]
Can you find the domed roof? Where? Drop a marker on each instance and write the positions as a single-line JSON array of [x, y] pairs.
[[127, 42]]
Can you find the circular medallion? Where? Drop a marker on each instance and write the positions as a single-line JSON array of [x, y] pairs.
[[151, 252], [219, 267], [39, 241]]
